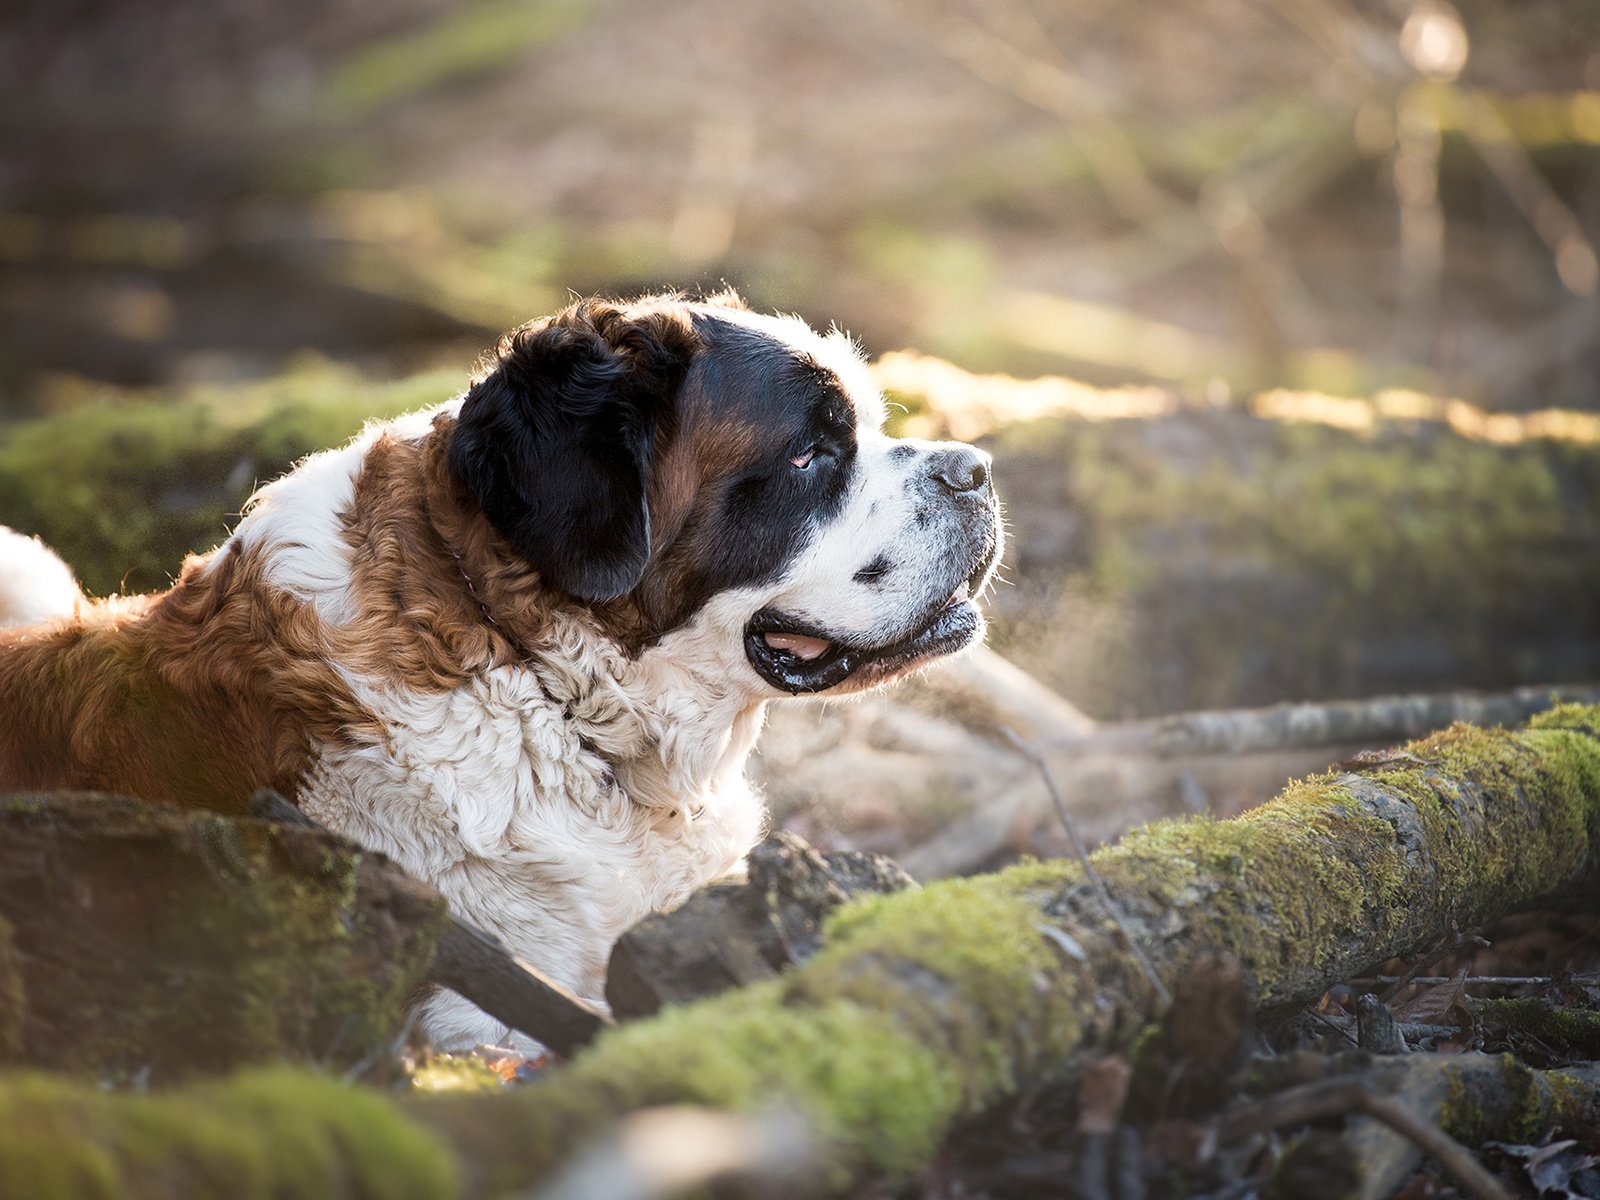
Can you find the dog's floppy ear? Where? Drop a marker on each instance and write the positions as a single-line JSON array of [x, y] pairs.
[[556, 440]]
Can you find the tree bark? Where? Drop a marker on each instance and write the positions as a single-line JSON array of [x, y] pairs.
[[926, 1005], [735, 933]]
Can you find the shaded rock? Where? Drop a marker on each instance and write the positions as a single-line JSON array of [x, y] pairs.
[[736, 933]]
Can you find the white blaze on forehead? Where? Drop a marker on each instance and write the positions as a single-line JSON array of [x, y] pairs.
[[835, 351]]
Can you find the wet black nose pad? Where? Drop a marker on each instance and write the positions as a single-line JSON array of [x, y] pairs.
[[963, 470]]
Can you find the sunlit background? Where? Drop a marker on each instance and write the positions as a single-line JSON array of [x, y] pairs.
[[1281, 315]]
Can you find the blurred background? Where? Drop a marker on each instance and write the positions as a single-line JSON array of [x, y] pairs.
[[1326, 194], [1281, 316]]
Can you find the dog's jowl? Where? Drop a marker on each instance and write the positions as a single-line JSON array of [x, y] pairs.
[[522, 641]]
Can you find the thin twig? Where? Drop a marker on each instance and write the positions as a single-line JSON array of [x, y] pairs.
[[1456, 941], [1401, 982], [1330, 723], [1081, 851], [1486, 980], [1337, 1028], [1342, 1097]]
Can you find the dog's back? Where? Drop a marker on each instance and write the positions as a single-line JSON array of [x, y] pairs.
[[197, 695]]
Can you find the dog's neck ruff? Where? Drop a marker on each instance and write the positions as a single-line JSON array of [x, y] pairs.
[[555, 801]]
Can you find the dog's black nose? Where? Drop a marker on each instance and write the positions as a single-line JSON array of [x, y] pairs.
[[962, 469]]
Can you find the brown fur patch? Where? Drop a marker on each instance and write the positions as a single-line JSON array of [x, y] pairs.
[[439, 595], [198, 695]]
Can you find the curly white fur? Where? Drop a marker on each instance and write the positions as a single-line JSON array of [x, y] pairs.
[[35, 585]]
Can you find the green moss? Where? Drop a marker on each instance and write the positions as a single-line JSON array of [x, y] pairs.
[[1580, 718], [876, 1092], [243, 943], [1550, 840], [1574, 1104], [287, 990], [455, 1073], [1279, 884], [977, 930], [1514, 1103], [1559, 1026], [961, 963], [261, 1135], [123, 485]]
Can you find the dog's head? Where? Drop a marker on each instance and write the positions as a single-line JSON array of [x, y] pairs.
[[726, 473]]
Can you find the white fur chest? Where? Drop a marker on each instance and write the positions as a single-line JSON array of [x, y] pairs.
[[552, 807]]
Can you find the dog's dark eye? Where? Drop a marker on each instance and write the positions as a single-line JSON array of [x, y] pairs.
[[803, 461], [873, 571]]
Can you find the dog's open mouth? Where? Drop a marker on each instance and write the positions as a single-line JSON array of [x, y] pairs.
[[797, 657]]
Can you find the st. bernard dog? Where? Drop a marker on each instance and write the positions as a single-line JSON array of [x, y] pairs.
[[522, 642]]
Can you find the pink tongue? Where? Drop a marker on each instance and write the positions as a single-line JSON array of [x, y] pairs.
[[798, 644]]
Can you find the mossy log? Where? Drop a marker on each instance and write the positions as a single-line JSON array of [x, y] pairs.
[[1474, 1098], [926, 1005], [153, 943]]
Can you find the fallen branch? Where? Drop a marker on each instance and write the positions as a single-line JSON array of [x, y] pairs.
[[1335, 723], [984, 692], [1472, 1097], [926, 1005], [477, 966]]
